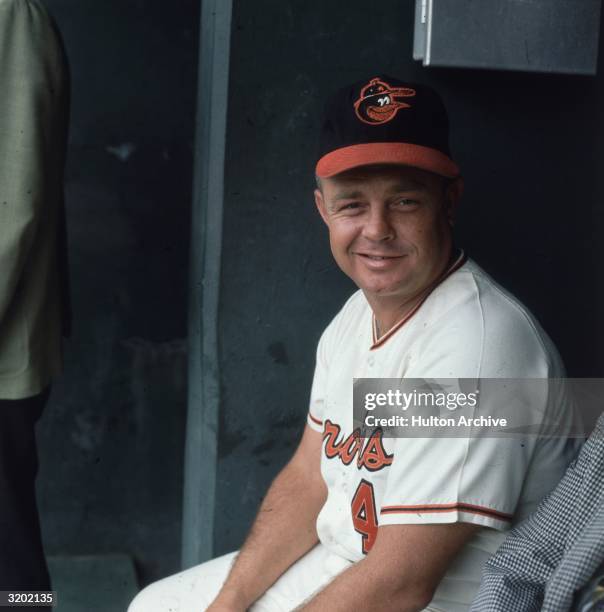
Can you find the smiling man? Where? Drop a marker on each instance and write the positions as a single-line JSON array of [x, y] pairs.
[[390, 232], [374, 523]]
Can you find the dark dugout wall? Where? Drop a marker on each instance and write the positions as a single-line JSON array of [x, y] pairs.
[[528, 146], [111, 439]]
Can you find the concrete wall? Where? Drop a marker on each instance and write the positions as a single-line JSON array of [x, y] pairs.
[[112, 436]]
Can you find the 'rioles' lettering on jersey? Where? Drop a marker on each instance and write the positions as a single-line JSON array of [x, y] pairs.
[[370, 452]]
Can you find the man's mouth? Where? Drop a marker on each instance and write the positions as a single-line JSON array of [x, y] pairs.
[[379, 257]]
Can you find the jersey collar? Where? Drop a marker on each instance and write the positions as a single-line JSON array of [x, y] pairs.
[[460, 261]]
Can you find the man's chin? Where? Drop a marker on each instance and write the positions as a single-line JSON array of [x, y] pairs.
[[378, 283], [384, 290]]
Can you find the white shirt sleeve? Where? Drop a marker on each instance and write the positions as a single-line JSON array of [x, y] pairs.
[[447, 480], [316, 408]]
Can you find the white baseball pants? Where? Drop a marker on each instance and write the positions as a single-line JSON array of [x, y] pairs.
[[194, 589]]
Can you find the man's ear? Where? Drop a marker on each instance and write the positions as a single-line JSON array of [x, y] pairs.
[[454, 193], [320, 202]]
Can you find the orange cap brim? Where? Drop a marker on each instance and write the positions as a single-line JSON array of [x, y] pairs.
[[399, 153]]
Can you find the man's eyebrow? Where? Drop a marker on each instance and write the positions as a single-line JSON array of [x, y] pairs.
[[406, 185], [347, 195]]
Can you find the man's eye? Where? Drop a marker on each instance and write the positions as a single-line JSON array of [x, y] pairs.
[[350, 206], [406, 202]]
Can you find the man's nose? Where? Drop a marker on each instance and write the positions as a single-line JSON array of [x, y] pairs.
[[378, 227]]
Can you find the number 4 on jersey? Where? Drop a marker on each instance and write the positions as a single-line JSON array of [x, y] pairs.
[[364, 514]]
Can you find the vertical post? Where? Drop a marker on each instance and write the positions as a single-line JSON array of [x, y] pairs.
[[206, 238]]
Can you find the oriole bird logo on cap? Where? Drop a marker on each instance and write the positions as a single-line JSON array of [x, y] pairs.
[[379, 102]]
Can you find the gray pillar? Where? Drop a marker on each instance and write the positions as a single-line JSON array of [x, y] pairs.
[[206, 238]]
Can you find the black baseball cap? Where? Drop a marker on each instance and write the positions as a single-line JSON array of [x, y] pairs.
[[382, 120]]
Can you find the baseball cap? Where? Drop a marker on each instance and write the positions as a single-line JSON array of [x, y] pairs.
[[382, 120]]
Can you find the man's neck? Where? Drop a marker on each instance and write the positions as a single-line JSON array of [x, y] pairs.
[[389, 310], [388, 313]]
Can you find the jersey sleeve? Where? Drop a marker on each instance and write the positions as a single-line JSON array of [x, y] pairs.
[[327, 349], [447, 480], [314, 417]]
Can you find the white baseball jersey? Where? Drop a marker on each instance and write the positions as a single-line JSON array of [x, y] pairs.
[[467, 327]]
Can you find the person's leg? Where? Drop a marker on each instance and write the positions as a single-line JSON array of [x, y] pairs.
[[194, 589], [22, 562], [196, 586]]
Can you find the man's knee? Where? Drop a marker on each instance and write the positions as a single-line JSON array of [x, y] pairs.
[[146, 600], [192, 589]]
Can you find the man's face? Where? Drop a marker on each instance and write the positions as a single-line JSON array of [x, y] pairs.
[[389, 227]]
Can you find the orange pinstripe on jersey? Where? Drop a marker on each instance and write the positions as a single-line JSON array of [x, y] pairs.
[[315, 420], [460, 261], [434, 508]]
